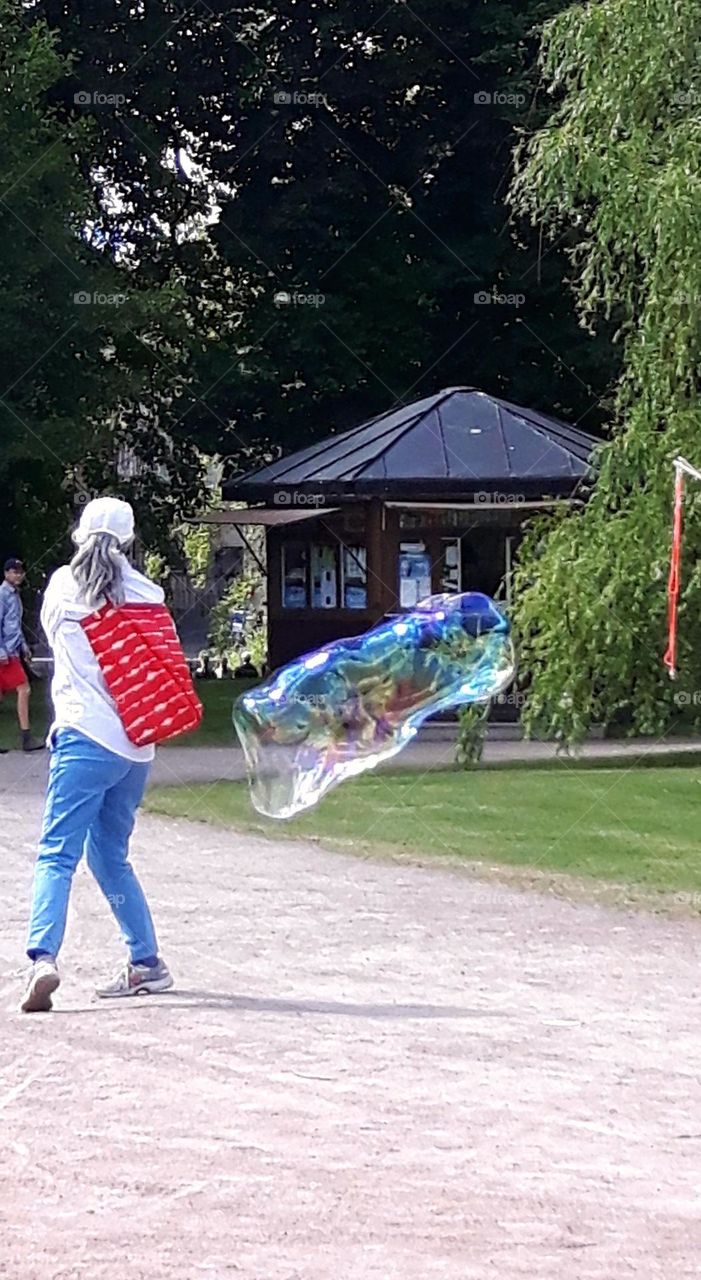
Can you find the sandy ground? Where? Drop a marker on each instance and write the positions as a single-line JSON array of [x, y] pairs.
[[367, 1070]]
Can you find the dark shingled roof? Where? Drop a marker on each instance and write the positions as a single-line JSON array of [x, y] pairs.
[[456, 442]]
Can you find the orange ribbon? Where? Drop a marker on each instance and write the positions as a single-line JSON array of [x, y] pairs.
[[670, 657]]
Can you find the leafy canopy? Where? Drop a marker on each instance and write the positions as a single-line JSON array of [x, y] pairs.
[[85, 338], [620, 161], [355, 158]]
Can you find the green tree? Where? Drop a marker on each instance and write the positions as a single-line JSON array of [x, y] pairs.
[[619, 161], [369, 178], [82, 334], [345, 151], [45, 385], [337, 150]]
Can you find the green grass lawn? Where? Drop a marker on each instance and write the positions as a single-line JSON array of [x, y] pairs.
[[39, 714], [217, 698], [216, 730], [629, 826], [636, 826]]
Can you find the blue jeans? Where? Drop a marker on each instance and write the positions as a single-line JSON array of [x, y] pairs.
[[91, 805]]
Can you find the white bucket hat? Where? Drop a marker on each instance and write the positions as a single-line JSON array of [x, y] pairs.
[[106, 515]]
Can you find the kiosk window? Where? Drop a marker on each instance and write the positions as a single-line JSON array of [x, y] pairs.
[[355, 577], [414, 574], [324, 576], [450, 565], [295, 574]]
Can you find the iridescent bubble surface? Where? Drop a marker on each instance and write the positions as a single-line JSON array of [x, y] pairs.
[[334, 713]]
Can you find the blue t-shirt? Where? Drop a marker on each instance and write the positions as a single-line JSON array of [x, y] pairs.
[[11, 638]]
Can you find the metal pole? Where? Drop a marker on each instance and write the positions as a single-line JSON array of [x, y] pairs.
[[249, 548]]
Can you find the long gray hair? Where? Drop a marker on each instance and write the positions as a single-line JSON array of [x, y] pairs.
[[98, 568]]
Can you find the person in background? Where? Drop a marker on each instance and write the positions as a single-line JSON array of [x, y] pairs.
[[14, 647], [203, 670], [97, 775], [246, 669]]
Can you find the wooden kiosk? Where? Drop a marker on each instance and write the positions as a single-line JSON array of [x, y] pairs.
[[426, 498]]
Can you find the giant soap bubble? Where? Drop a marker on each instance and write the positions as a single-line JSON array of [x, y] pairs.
[[341, 710]]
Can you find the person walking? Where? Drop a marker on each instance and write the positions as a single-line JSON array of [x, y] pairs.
[[14, 647], [97, 774]]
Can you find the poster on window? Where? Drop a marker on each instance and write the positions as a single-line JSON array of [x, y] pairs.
[[323, 577], [355, 592], [450, 570], [294, 585], [414, 574]]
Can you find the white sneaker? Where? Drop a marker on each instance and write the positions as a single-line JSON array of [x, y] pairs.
[[43, 981], [137, 980]]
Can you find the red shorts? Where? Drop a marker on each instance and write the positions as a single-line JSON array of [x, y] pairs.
[[12, 675]]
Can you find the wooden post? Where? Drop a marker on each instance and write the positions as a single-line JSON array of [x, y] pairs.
[[273, 555], [379, 593]]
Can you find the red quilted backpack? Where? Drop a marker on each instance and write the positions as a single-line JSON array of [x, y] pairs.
[[144, 668]]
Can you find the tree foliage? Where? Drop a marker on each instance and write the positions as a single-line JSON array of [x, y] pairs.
[[48, 353], [369, 182], [619, 160], [225, 166], [344, 210], [240, 594], [83, 335]]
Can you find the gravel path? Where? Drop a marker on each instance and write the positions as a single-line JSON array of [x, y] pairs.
[[367, 1071]]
